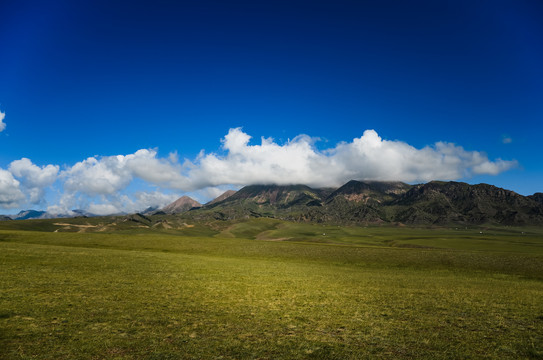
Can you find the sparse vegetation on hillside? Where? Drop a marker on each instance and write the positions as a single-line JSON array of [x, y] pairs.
[[376, 202]]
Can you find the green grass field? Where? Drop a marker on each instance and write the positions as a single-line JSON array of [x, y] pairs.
[[266, 289]]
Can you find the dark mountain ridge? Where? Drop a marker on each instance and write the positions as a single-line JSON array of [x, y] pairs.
[[457, 202], [436, 202]]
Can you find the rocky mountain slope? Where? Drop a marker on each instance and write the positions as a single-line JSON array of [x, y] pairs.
[[180, 205], [537, 197], [378, 202]]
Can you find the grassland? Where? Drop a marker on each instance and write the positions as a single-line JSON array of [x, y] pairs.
[[266, 289]]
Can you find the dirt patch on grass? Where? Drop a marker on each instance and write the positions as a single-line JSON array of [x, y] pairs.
[[79, 227], [76, 225]]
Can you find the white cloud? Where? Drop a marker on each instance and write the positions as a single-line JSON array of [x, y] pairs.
[[98, 184], [110, 174], [368, 157], [145, 165], [493, 168], [65, 204], [33, 175], [295, 162], [94, 177], [34, 179], [103, 209], [2, 124], [10, 193]]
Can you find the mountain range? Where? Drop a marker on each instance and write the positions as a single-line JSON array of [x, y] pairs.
[[37, 214], [356, 202], [364, 202]]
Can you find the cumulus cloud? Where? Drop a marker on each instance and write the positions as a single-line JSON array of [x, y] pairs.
[[93, 176], [2, 124], [145, 165], [10, 192], [110, 174], [64, 205], [34, 179], [368, 157], [103, 209], [294, 162], [33, 175]]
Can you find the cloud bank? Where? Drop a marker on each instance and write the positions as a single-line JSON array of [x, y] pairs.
[[368, 157], [103, 185]]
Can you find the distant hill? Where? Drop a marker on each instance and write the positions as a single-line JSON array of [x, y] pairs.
[[456, 202], [29, 214], [180, 205], [38, 214], [436, 202]]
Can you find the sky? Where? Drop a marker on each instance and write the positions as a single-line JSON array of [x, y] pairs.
[[115, 106]]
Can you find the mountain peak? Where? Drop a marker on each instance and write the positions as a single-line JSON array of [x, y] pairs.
[[184, 203]]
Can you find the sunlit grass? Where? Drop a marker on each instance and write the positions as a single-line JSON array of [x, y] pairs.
[[162, 296]]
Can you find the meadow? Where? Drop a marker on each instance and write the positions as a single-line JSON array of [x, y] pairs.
[[269, 289]]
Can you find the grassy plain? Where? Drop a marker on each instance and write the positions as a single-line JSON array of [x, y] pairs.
[[266, 289]]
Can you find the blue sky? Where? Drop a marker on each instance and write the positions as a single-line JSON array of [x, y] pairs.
[[117, 105]]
